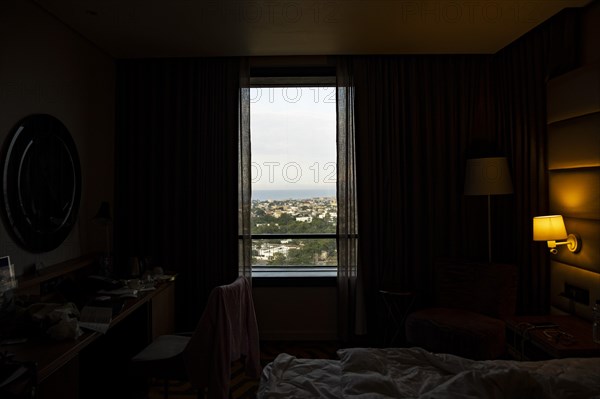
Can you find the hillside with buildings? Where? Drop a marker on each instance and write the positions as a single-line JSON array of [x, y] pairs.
[[289, 217]]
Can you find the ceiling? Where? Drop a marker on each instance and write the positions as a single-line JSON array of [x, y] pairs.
[[181, 28]]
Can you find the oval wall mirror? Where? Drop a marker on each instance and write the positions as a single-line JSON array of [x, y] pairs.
[[41, 183]]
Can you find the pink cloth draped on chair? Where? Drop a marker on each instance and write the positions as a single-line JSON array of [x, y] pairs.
[[227, 331]]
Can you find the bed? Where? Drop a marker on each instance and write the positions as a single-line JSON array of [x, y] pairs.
[[416, 373]]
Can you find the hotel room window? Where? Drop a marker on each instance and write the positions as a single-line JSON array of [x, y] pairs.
[[293, 162]]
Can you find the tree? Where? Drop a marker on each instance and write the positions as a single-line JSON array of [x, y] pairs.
[[277, 259]]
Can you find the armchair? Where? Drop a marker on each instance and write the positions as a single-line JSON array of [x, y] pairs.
[[467, 315]]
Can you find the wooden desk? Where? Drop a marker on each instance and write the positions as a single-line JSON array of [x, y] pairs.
[[528, 339], [58, 362]]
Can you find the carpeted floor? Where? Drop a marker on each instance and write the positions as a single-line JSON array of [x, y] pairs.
[[243, 387]]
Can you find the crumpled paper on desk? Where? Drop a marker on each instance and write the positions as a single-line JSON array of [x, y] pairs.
[[62, 318]]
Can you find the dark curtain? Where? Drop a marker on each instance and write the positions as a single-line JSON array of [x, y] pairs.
[[522, 71], [415, 117], [176, 185], [418, 118]]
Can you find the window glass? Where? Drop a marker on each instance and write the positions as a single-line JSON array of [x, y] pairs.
[[294, 209]]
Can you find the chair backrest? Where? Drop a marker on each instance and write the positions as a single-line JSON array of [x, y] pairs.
[[227, 331], [486, 288]]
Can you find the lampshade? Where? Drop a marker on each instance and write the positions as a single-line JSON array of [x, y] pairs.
[[549, 228], [488, 176]]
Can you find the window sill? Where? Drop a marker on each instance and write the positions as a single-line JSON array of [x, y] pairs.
[[294, 276]]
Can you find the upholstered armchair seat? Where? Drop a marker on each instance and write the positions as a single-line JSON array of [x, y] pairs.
[[469, 334], [466, 316]]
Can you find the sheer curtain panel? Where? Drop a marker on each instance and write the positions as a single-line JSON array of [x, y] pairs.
[[244, 174], [350, 307]]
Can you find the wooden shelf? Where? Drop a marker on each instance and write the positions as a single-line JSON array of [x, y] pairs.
[[31, 281]]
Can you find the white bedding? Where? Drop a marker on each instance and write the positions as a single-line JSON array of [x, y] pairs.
[[416, 373]]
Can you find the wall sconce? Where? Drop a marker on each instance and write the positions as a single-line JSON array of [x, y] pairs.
[[551, 228]]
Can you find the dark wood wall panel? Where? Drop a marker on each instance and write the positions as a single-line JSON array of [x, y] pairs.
[[589, 256], [574, 94], [575, 192], [561, 273], [574, 143], [574, 182]]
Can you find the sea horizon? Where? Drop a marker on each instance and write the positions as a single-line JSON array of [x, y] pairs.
[[278, 195]]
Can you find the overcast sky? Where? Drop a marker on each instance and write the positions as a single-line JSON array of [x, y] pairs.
[[293, 136]]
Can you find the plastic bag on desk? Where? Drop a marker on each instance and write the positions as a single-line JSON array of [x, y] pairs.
[[64, 310], [67, 328], [52, 312], [61, 319]]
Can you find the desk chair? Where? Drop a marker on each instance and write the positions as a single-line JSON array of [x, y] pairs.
[[226, 332]]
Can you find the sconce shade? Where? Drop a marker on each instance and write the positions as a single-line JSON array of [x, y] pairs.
[[549, 228], [103, 215], [488, 176]]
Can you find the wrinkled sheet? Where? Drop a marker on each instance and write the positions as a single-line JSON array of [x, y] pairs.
[[416, 373], [288, 377]]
